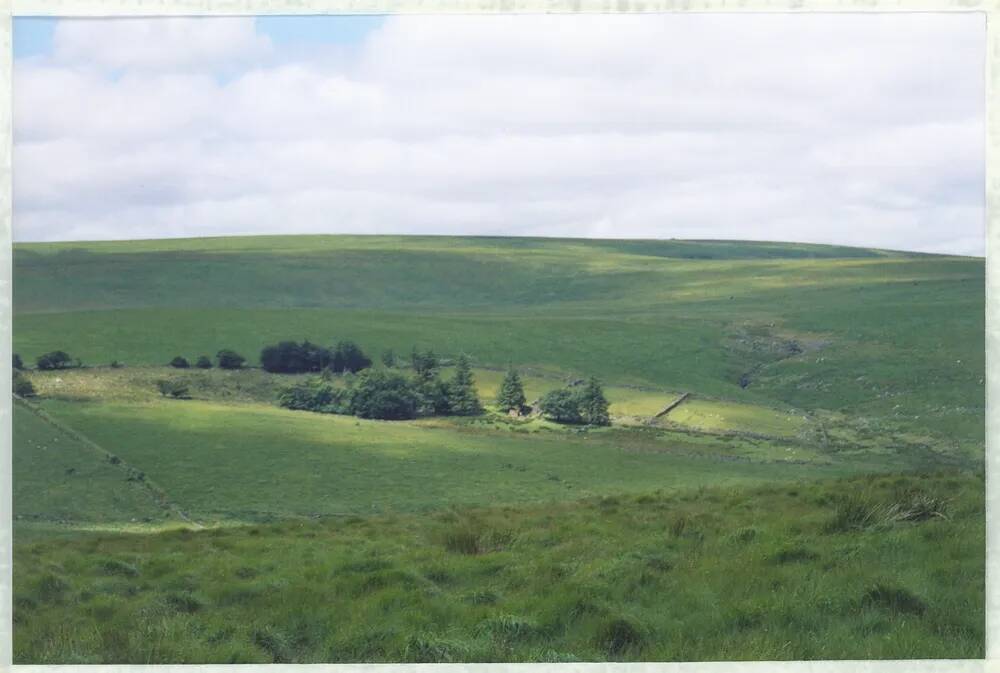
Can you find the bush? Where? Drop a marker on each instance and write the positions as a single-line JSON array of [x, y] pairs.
[[204, 362], [179, 363], [22, 386], [172, 388], [314, 395], [432, 397], [561, 405], [117, 365], [18, 363], [383, 395], [55, 360], [230, 359]]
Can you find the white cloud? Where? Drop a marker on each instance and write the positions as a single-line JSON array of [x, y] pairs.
[[855, 129]]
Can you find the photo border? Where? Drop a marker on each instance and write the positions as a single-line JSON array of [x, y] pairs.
[[113, 8]]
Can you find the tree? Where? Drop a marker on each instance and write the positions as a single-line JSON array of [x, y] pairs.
[[383, 395], [561, 405], [462, 396], [425, 364], [54, 360], [22, 386], [592, 404], [172, 388], [179, 363], [348, 357], [230, 359], [18, 363], [204, 362], [511, 397]]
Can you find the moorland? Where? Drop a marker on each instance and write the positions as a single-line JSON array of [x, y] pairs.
[[817, 492]]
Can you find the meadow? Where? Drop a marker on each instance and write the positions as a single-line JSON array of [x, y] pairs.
[[818, 495]]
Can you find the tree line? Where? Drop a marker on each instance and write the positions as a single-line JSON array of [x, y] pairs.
[[373, 393]]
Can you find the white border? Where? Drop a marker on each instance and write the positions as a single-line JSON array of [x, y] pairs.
[[991, 8]]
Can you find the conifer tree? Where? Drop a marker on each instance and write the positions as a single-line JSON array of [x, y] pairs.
[[462, 396], [511, 394], [593, 404]]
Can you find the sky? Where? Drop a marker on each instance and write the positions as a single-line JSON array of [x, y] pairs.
[[854, 129]]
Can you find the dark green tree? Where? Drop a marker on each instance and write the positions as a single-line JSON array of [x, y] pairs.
[[204, 362], [18, 363], [561, 405], [462, 396], [348, 357], [384, 395], [593, 405], [425, 364], [229, 359], [179, 363], [511, 397], [54, 360]]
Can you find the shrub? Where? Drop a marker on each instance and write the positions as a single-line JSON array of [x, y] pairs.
[[383, 395], [561, 405], [511, 397], [618, 636], [55, 360], [314, 395], [172, 388], [179, 363], [115, 364], [204, 362], [433, 396], [895, 599], [229, 359], [18, 363], [462, 396], [22, 386]]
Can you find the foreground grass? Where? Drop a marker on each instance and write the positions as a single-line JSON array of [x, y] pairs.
[[877, 567]]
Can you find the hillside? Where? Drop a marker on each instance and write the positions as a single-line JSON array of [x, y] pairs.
[[895, 338]]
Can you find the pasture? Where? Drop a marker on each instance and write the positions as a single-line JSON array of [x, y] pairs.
[[818, 495]]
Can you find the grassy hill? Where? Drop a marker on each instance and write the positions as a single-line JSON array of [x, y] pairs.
[[818, 495], [893, 336]]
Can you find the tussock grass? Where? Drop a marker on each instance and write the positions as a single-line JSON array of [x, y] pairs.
[[616, 586]]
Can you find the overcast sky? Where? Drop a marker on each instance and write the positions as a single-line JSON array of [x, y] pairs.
[[854, 129]]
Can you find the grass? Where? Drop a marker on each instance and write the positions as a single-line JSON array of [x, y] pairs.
[[719, 416], [58, 477], [222, 461], [598, 579]]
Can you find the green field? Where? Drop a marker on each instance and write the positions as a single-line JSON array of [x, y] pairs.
[[810, 370]]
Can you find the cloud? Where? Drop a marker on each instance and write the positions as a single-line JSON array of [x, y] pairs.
[[857, 129]]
